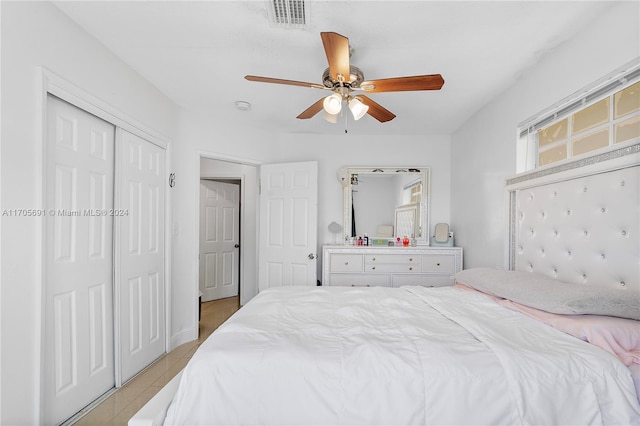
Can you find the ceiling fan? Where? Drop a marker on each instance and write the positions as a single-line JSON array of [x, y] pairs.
[[346, 80]]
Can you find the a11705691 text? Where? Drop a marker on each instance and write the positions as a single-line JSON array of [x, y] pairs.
[[64, 212]]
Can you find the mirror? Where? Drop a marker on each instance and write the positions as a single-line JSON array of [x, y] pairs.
[[386, 203], [441, 234]]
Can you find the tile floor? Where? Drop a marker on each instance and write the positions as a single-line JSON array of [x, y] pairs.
[[119, 407]]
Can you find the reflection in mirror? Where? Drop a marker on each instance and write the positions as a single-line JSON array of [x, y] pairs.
[[386, 202], [407, 223]]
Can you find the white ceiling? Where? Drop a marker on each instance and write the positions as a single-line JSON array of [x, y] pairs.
[[198, 52]]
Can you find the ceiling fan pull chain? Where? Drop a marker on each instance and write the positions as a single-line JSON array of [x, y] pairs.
[[346, 122]]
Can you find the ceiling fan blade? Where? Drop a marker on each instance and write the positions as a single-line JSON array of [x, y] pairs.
[[402, 84], [336, 47], [281, 81], [376, 110], [312, 110]]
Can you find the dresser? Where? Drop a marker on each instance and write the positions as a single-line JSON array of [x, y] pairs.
[[390, 266]]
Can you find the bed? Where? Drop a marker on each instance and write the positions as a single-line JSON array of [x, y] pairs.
[[552, 338]]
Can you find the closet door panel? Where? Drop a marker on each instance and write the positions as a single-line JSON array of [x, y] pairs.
[[141, 293], [78, 293]]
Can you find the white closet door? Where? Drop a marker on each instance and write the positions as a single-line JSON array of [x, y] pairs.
[[288, 224], [140, 263], [78, 318], [219, 239]]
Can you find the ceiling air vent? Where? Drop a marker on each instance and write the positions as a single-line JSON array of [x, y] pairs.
[[288, 13]]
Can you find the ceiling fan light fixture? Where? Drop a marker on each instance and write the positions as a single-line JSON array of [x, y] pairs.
[[332, 103], [358, 109], [331, 118]]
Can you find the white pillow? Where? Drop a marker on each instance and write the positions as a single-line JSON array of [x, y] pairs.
[[551, 295]]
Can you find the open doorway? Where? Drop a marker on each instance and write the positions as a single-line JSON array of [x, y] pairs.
[[219, 238], [244, 178]]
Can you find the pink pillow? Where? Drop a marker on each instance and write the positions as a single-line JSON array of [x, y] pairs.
[[463, 286], [619, 336]]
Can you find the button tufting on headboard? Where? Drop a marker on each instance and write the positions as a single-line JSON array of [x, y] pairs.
[[585, 229]]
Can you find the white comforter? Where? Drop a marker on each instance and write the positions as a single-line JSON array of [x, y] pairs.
[[338, 356]]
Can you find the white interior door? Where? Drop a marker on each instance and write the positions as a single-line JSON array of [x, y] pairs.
[[140, 284], [288, 224], [219, 239], [78, 318]]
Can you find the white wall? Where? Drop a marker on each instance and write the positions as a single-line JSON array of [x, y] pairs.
[[36, 34], [334, 152], [484, 148], [198, 137]]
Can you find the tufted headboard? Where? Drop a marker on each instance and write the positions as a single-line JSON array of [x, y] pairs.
[[579, 222]]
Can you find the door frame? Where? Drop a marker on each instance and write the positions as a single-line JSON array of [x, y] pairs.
[[51, 84], [247, 186]]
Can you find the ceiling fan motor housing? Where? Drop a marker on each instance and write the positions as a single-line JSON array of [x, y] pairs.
[[355, 78]]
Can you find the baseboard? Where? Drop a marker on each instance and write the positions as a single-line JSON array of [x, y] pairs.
[[183, 337]]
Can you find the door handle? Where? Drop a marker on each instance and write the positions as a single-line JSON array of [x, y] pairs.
[[311, 256], [236, 245]]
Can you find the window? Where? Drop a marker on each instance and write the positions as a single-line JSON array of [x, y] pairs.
[[416, 193], [614, 119], [597, 119]]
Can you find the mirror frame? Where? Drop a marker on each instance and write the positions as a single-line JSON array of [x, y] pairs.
[[344, 176]]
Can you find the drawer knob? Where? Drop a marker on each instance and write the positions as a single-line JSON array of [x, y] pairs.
[[411, 268], [411, 259], [373, 267], [346, 263], [374, 259], [438, 264]]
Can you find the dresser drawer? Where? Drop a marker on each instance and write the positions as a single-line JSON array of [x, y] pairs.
[[409, 259], [425, 280], [392, 267], [439, 264], [361, 280], [346, 263]]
